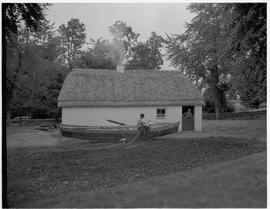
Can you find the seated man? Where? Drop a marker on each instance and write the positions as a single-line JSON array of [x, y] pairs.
[[188, 114], [143, 127]]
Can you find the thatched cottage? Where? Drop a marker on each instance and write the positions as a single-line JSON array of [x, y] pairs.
[[90, 97]]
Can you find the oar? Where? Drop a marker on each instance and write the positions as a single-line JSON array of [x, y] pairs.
[[116, 122]]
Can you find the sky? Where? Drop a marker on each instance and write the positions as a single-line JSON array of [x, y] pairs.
[[144, 18]]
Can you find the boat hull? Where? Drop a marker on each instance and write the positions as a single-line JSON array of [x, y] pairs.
[[114, 133]]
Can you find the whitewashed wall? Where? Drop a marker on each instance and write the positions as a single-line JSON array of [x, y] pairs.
[[96, 116], [198, 118]]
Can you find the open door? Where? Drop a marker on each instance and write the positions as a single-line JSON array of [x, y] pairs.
[[188, 118]]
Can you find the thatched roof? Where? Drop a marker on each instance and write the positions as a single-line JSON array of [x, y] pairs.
[[96, 88]]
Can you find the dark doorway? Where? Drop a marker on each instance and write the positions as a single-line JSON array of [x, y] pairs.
[[188, 118]]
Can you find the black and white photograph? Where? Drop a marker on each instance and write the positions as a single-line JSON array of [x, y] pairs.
[[134, 104]]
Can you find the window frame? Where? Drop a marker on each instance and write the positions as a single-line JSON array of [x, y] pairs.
[[161, 116]]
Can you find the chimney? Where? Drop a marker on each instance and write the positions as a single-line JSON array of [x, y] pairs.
[[120, 69]]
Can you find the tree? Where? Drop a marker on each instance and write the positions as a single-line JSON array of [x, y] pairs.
[[34, 90], [248, 46], [72, 37], [249, 81], [31, 81], [236, 47], [47, 41], [146, 55], [123, 39], [209, 100], [107, 54], [200, 53], [32, 77], [13, 15], [100, 56]]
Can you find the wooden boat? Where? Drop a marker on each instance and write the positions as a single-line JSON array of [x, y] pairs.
[[115, 133]]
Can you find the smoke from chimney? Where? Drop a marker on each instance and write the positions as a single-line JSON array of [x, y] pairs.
[[117, 54]]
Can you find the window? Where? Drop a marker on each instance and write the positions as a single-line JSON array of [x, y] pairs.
[[161, 113]]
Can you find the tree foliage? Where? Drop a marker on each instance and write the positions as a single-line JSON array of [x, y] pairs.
[[72, 37], [248, 46], [124, 49], [200, 53], [14, 14], [223, 50], [37, 77], [146, 55], [98, 57]]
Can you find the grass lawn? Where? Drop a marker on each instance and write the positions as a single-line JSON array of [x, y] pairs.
[[239, 183], [65, 166], [246, 129]]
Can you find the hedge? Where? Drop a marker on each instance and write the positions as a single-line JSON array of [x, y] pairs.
[[247, 115]]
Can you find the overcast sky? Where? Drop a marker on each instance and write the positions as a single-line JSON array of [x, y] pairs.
[[142, 17]]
